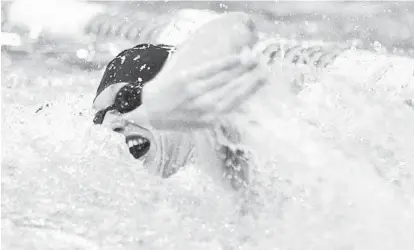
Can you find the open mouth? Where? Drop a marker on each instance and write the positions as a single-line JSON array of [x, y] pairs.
[[138, 145]]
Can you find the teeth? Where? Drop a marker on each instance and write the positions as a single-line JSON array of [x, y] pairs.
[[138, 146], [136, 142]]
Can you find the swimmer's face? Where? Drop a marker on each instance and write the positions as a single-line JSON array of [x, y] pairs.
[[118, 99]]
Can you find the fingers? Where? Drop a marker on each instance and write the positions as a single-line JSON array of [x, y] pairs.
[[231, 103], [238, 61], [213, 103], [209, 109], [239, 90], [211, 69], [186, 79], [204, 92]]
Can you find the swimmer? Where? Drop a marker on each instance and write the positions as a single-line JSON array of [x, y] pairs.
[[168, 101], [171, 117]]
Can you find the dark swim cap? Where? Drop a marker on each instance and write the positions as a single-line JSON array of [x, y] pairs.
[[135, 66]]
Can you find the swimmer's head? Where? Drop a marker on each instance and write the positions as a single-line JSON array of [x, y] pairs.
[[120, 91], [118, 99], [161, 151]]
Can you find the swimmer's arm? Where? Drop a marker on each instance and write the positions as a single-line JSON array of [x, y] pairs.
[[200, 98]]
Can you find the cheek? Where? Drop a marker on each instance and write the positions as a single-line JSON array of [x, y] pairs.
[[153, 158]]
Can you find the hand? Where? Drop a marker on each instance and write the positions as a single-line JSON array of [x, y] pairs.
[[198, 99]]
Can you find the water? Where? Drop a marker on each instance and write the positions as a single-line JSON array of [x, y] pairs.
[[334, 169]]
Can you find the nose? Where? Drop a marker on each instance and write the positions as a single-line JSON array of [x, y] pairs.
[[118, 126], [113, 122], [118, 129]]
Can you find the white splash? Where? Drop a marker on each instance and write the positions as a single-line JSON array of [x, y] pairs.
[[334, 169]]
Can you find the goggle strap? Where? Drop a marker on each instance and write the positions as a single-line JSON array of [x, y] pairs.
[[100, 115]]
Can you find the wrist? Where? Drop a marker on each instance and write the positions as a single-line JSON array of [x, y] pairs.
[[150, 104]]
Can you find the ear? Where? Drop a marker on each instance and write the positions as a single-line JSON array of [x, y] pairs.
[[107, 96]]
